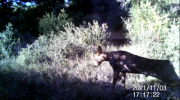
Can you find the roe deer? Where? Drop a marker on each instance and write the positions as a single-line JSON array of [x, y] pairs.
[[125, 62]]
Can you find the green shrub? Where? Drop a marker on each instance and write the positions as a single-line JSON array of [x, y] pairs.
[[154, 31], [7, 42], [69, 44], [171, 42], [77, 39], [88, 34], [146, 22], [50, 23], [35, 53]]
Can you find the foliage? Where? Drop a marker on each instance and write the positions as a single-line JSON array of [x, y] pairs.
[[76, 16], [154, 31], [25, 18], [69, 44], [77, 80], [110, 12], [147, 22], [49, 23], [171, 43], [35, 53], [81, 5], [101, 10], [50, 3], [7, 42], [88, 34], [59, 66], [161, 2]]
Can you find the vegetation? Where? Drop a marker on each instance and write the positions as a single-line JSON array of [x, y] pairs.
[[69, 44], [155, 30], [58, 65], [7, 42], [49, 23]]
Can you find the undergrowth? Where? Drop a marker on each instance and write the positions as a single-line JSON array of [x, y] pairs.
[[155, 31], [58, 66]]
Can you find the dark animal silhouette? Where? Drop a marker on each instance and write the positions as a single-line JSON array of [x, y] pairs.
[[125, 62]]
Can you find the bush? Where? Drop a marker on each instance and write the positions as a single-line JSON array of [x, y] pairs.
[[48, 61], [7, 42], [171, 42], [88, 34], [74, 41], [153, 31], [50, 23], [35, 53], [146, 22]]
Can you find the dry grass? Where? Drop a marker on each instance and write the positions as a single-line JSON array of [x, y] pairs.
[[77, 79], [59, 67]]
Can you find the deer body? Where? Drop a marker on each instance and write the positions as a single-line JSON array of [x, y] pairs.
[[125, 62]]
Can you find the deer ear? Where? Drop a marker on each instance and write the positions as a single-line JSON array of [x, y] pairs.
[[99, 49]]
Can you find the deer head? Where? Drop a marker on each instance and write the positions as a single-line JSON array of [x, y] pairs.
[[99, 57]]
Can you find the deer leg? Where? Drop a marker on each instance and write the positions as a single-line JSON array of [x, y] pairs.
[[123, 81], [116, 75]]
